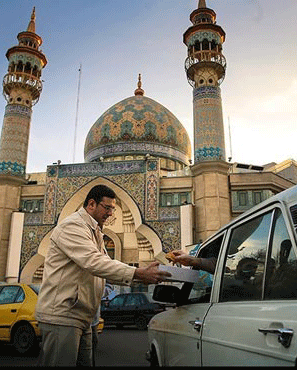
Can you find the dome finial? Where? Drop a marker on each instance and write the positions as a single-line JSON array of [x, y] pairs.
[[202, 4], [31, 26], [139, 90]]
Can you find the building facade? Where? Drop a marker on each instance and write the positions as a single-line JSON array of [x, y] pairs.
[[139, 149]]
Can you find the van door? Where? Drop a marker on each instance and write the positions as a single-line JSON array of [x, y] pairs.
[[184, 323], [183, 335], [254, 322]]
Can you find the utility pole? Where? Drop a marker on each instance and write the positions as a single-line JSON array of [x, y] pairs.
[[230, 143], [76, 115]]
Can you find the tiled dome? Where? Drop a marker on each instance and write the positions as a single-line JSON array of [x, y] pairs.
[[138, 126]]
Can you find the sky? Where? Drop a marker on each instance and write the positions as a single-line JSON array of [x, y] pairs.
[[115, 40]]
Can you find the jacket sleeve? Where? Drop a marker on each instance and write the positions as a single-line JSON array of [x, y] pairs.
[[76, 241]]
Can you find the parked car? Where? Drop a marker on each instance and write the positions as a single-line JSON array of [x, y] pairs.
[[100, 325], [17, 321], [246, 314], [130, 309]]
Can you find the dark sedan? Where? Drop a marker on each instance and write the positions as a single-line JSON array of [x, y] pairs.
[[130, 309]]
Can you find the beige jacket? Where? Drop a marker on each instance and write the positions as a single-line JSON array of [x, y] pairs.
[[74, 275]]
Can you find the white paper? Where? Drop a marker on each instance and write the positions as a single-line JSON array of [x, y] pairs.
[[180, 274]]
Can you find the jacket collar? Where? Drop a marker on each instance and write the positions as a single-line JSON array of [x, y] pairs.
[[88, 218]]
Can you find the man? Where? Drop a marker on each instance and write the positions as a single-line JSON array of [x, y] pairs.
[[75, 269]]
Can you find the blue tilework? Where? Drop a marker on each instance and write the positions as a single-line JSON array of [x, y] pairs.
[[137, 119], [12, 168], [210, 153]]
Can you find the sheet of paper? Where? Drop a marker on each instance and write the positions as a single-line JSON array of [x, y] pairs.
[[180, 274]]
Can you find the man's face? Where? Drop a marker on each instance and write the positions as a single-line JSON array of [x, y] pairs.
[[102, 210]]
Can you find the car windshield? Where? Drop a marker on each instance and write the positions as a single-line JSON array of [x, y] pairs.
[[35, 288]]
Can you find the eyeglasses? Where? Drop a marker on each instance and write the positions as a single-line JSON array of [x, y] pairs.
[[108, 208]]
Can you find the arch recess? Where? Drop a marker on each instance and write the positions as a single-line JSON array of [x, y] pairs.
[[80, 195], [73, 204], [155, 241], [117, 242]]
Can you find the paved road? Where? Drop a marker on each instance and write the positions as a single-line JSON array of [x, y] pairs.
[[125, 347]]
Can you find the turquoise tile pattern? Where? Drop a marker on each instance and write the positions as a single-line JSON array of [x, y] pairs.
[[209, 139], [137, 125]]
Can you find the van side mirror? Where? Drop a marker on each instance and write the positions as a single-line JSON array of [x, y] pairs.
[[166, 293]]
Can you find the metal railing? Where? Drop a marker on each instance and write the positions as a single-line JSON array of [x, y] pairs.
[[15, 79], [205, 56]]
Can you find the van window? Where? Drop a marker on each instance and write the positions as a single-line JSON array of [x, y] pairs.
[[201, 290], [245, 261], [281, 281]]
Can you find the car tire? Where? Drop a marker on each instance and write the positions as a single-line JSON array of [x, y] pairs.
[[24, 338], [141, 323]]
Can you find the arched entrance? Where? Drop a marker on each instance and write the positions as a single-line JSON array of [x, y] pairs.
[[133, 242]]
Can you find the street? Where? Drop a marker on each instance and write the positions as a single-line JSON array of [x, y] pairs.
[[125, 347]]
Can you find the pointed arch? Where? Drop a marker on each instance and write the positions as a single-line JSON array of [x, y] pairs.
[[125, 202], [117, 242], [79, 197]]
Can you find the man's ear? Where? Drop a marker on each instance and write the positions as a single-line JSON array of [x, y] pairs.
[[91, 204]]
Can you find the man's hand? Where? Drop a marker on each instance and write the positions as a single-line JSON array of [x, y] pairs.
[[150, 274], [185, 259], [178, 256]]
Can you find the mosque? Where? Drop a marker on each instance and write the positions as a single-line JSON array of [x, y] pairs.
[[165, 200]]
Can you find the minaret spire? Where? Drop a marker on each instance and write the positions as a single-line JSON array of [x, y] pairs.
[[31, 25], [205, 67], [22, 87], [139, 90]]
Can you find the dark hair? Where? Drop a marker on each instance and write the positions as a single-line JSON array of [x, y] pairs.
[[98, 192]]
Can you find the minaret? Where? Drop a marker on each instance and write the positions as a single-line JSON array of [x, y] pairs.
[[22, 87], [205, 67]]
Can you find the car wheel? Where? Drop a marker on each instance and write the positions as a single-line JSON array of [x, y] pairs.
[[141, 323], [24, 338]]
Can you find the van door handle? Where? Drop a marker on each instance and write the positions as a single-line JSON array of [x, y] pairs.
[[197, 324], [284, 335], [13, 310]]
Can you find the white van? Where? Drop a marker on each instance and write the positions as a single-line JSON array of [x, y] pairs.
[[245, 314]]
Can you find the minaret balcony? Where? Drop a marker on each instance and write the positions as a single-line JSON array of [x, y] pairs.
[[205, 59], [16, 80]]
